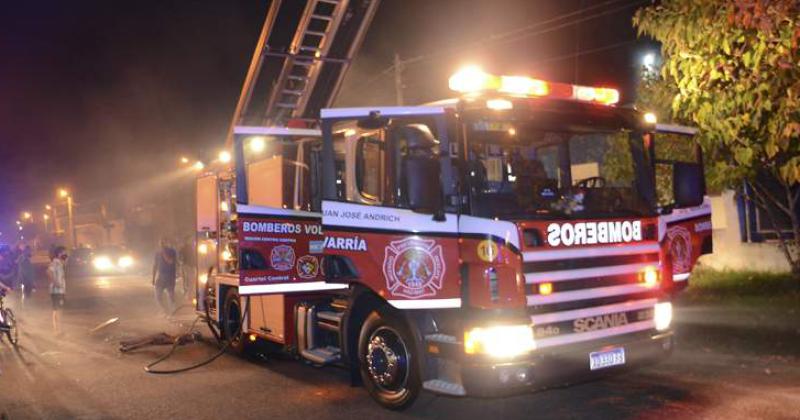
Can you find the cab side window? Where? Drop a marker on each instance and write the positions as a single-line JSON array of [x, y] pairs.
[[370, 168]]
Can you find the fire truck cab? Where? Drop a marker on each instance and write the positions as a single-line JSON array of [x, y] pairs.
[[525, 235]]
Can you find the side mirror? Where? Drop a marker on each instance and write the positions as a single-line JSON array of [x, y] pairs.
[[688, 184], [424, 187]]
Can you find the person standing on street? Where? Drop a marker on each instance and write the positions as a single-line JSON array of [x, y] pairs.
[[25, 273], [58, 285], [165, 266]]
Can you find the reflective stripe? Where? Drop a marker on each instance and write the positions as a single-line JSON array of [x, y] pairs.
[[290, 287], [583, 294], [277, 131], [426, 303], [581, 273], [593, 335], [339, 214], [586, 312], [272, 211], [383, 111], [483, 226], [680, 277], [606, 251]]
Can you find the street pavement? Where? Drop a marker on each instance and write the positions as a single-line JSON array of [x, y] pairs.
[[730, 363]]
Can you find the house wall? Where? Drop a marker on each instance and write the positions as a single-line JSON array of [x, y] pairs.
[[729, 250]]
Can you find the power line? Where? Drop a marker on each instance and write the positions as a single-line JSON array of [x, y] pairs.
[[520, 33]]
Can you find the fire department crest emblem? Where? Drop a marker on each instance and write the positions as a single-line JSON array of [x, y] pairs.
[[282, 258], [680, 248], [413, 268], [307, 267]]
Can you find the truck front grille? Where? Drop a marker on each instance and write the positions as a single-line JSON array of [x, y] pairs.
[[593, 292]]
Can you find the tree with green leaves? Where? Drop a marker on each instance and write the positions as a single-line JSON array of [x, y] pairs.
[[732, 69]]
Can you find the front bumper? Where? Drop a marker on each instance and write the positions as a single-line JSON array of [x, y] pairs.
[[552, 367]]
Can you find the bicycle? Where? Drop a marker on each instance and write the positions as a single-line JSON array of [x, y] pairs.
[[8, 322]]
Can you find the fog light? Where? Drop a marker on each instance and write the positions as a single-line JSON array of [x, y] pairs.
[[253, 338], [503, 341], [662, 315], [650, 276], [545, 288]]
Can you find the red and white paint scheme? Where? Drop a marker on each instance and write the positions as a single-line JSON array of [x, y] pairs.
[[511, 239]]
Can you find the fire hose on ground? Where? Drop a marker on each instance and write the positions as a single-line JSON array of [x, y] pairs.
[[190, 336]]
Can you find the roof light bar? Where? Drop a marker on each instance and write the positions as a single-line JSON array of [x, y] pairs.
[[471, 80]]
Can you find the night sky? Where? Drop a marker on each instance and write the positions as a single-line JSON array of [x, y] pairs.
[[97, 94]]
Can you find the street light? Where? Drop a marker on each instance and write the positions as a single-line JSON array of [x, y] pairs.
[[26, 215], [649, 61], [184, 160], [224, 156], [48, 207], [63, 193]]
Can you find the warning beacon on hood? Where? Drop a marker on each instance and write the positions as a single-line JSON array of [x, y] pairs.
[[591, 233]]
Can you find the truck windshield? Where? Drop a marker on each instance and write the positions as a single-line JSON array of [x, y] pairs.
[[518, 171]]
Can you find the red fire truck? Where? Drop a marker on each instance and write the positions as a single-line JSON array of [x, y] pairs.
[[524, 235], [506, 240]]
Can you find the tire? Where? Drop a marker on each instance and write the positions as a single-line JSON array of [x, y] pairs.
[[231, 325], [13, 332], [388, 361]]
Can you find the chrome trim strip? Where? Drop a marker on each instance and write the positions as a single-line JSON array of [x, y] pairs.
[[594, 311], [581, 273], [584, 294], [606, 251]]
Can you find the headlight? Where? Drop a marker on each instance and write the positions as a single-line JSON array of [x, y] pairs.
[[102, 262], [125, 261], [501, 341], [662, 315]]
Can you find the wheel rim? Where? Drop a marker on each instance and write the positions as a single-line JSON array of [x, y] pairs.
[[387, 360], [12, 326]]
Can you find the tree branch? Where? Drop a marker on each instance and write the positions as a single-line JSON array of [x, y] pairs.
[[771, 197]]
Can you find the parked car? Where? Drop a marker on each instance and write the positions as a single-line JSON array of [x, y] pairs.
[[104, 260], [112, 260]]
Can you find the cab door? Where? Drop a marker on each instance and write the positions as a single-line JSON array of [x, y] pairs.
[[377, 231], [685, 221]]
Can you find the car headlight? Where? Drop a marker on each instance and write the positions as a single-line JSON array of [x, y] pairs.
[[662, 315], [502, 341], [102, 263], [125, 262]]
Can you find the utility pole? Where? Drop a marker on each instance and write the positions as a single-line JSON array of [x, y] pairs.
[[71, 222], [399, 66]]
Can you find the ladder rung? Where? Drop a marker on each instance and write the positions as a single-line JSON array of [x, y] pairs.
[[315, 33], [305, 48], [321, 17], [329, 1], [303, 63], [292, 92], [298, 78], [285, 105]]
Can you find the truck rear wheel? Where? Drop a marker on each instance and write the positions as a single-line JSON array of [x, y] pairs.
[[232, 321], [387, 361]]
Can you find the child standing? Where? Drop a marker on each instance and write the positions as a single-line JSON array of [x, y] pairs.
[[58, 285]]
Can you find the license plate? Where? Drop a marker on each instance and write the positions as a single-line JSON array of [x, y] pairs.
[[608, 358]]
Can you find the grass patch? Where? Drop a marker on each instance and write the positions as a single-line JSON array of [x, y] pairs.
[[706, 284], [752, 283]]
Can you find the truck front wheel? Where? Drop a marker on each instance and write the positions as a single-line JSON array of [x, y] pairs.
[[387, 361], [232, 321]]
